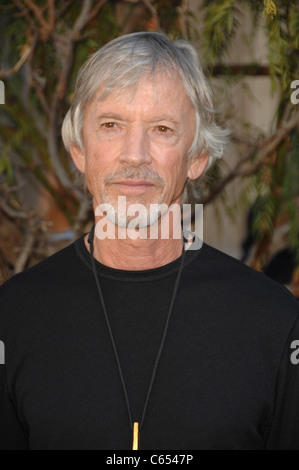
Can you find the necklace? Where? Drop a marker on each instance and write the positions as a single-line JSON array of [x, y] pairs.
[[135, 426]]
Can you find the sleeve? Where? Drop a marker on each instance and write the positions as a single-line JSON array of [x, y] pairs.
[[283, 430], [12, 436]]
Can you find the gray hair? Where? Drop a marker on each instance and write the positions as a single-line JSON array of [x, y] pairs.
[[123, 62]]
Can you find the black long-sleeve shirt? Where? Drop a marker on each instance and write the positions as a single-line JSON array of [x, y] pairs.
[[228, 376]]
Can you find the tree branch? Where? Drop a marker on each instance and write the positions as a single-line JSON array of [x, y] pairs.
[[272, 144], [82, 19], [96, 9], [51, 14], [150, 8], [37, 12], [5, 207], [83, 214], [68, 42], [46, 27], [25, 54], [11, 213], [26, 249], [148, 4], [64, 8], [263, 155], [4, 271], [183, 20], [24, 11]]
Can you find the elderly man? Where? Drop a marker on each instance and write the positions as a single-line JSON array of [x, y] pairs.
[[125, 339]]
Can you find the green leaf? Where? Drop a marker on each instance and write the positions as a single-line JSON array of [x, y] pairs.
[[294, 24]]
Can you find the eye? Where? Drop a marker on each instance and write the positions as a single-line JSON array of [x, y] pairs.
[[109, 125], [163, 129]]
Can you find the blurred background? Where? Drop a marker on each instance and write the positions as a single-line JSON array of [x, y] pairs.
[[249, 51]]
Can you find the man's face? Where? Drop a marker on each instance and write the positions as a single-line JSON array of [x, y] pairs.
[[136, 144]]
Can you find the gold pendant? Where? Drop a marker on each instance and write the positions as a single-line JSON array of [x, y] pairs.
[[136, 436]]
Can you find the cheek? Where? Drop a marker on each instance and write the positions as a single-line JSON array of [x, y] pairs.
[[179, 168], [175, 175], [94, 172], [97, 159], [170, 158]]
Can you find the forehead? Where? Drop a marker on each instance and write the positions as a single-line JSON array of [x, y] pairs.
[[158, 88]]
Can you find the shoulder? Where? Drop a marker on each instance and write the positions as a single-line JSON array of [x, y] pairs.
[[255, 314], [232, 268], [243, 288], [49, 269], [34, 290]]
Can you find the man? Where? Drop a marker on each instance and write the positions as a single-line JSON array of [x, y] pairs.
[[129, 338]]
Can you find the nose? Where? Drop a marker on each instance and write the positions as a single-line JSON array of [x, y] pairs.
[[136, 148]]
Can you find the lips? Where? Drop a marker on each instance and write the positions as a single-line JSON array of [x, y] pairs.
[[133, 183], [132, 186]]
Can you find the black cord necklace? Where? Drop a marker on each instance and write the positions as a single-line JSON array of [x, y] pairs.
[[135, 426]]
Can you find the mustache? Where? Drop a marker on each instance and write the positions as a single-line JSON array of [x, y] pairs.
[[147, 174]]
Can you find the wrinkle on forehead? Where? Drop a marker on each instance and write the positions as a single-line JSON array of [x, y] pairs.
[[130, 91]]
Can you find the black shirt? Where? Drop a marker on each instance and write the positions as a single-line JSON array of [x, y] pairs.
[[225, 380]]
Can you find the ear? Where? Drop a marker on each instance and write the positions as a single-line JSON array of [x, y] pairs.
[[197, 165], [78, 157]]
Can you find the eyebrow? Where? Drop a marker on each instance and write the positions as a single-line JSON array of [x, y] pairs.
[[117, 117], [155, 119], [164, 117]]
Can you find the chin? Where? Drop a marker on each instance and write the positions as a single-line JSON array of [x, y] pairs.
[[138, 221]]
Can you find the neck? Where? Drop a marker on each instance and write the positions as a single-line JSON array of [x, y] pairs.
[[136, 254]]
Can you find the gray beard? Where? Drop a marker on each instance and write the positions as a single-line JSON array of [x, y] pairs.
[[147, 214], [139, 216]]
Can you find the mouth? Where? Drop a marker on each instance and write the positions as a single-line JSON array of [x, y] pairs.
[[135, 186]]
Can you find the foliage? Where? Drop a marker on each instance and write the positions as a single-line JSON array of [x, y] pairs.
[[273, 176]]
